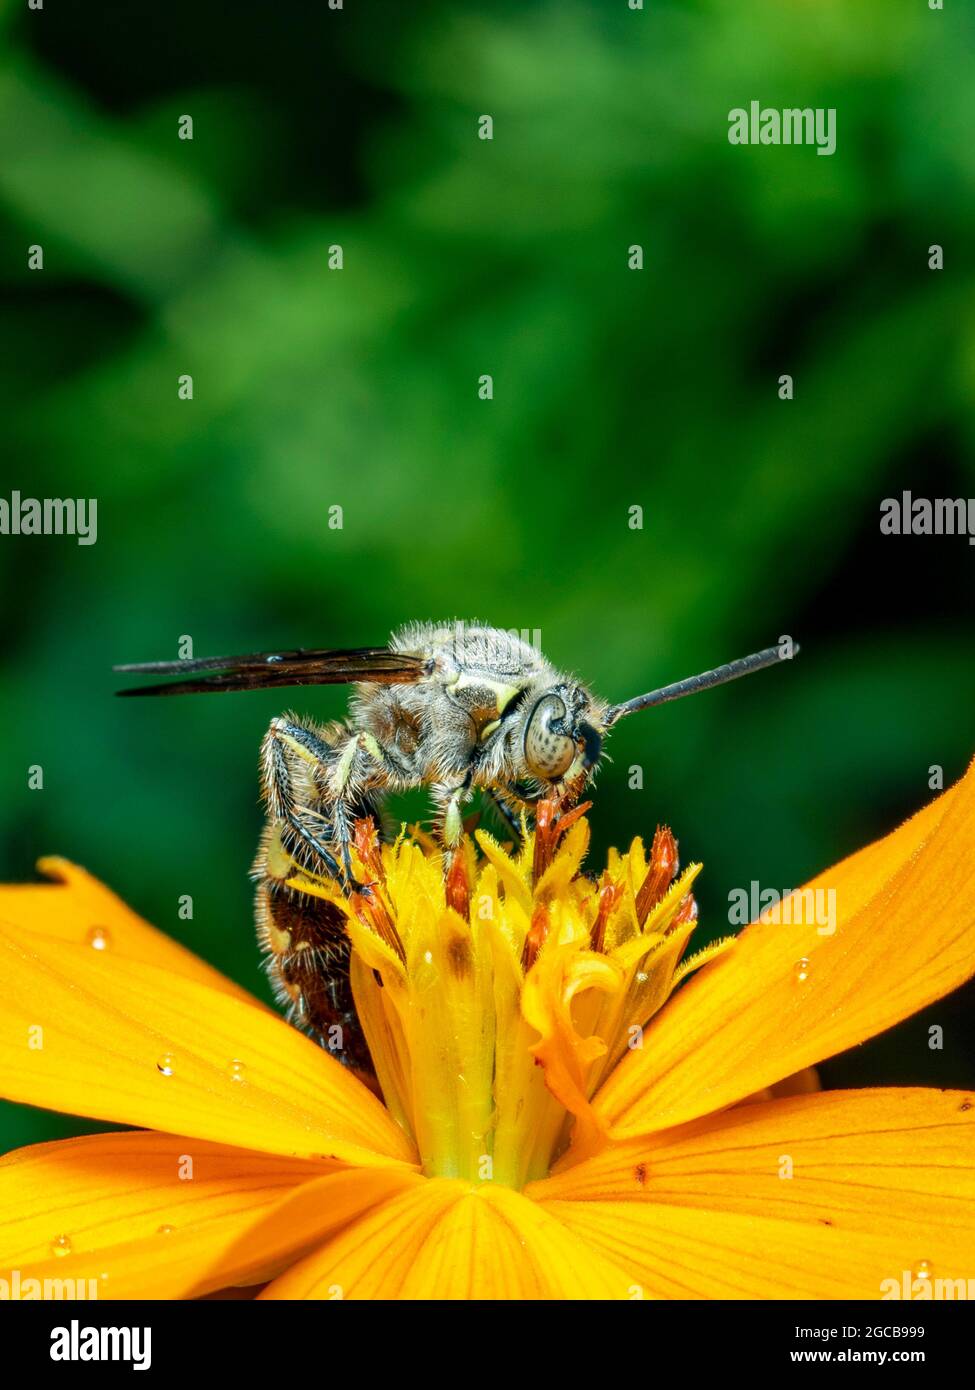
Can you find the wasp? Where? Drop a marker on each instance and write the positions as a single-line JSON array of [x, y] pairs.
[[453, 707]]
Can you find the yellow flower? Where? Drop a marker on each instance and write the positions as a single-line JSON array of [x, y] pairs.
[[556, 1123]]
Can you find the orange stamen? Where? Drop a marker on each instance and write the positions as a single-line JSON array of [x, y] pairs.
[[660, 874]]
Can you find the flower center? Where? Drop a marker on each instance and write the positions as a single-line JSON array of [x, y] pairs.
[[495, 1000]]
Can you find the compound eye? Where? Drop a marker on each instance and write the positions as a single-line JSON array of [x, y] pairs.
[[548, 753]]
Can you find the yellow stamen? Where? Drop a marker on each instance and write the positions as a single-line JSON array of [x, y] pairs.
[[497, 997]]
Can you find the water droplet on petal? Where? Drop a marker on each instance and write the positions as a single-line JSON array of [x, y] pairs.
[[165, 1064], [238, 1071], [165, 1230], [61, 1245], [801, 969], [98, 938]]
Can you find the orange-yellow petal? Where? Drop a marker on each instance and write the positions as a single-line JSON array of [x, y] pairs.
[[78, 909], [858, 877], [372, 1256], [105, 1189], [787, 996], [819, 1196], [801, 1083], [119, 1040], [859, 1159], [683, 1252], [245, 1246], [448, 1240], [525, 1253]]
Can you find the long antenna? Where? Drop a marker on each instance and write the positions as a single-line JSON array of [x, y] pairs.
[[758, 661]]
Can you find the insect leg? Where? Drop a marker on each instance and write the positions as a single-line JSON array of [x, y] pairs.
[[360, 767], [507, 812], [448, 799], [305, 786], [302, 931]]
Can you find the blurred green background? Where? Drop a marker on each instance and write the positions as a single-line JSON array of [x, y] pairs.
[[612, 388]]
